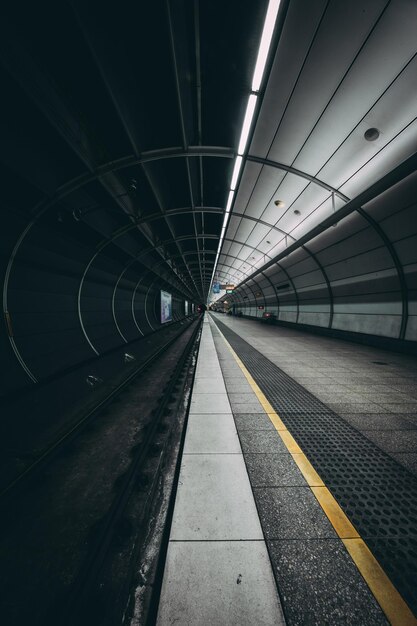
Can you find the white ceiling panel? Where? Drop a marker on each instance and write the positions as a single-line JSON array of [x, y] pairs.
[[356, 150], [226, 247], [292, 49], [269, 180], [244, 230], [328, 60], [340, 68], [257, 235], [403, 146], [249, 178], [235, 249], [365, 82], [288, 191], [232, 226], [310, 199]]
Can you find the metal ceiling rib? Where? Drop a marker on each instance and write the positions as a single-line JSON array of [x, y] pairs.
[[40, 89], [337, 69], [150, 236], [183, 132]]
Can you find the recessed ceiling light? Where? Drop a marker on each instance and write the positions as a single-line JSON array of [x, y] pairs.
[[371, 134], [297, 212], [279, 203]]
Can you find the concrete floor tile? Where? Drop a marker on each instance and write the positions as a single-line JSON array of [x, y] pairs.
[[209, 385], [394, 440], [273, 470], [211, 434], [254, 406], [238, 387], [291, 513], [210, 403], [390, 398], [407, 459], [218, 584], [399, 408], [253, 421], [233, 375], [375, 421], [350, 407], [214, 500], [320, 584], [208, 373], [239, 397], [258, 441]]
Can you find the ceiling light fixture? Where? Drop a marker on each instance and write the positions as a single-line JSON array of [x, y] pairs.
[[230, 200], [297, 212], [247, 123], [279, 203], [267, 33], [236, 170], [371, 134], [258, 74]]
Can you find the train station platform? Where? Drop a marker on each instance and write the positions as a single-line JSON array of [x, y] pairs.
[[297, 493]]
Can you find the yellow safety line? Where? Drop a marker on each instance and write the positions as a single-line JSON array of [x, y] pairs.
[[391, 602]]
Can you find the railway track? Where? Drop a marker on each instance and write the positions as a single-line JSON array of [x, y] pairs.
[[76, 428], [108, 541]]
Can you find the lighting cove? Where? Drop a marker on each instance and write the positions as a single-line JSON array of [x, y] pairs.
[[258, 74]]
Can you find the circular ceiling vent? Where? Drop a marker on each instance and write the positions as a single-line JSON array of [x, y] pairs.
[[297, 212], [371, 134]]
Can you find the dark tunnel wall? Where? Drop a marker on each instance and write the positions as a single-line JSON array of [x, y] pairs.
[[70, 295], [359, 276]]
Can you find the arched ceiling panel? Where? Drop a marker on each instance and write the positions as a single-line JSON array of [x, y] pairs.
[[114, 116], [338, 70]]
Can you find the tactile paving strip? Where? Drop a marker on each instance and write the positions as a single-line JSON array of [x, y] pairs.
[[377, 493]]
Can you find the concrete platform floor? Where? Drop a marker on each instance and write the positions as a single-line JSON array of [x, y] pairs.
[[374, 390], [218, 568]]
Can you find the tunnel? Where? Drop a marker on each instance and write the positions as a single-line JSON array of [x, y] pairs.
[[209, 338]]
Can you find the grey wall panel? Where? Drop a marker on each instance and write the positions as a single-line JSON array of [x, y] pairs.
[[360, 241], [411, 333], [42, 300], [394, 199], [303, 266], [376, 282], [314, 318], [372, 261], [305, 280], [332, 236], [386, 325], [406, 249], [367, 292], [401, 224], [287, 316]]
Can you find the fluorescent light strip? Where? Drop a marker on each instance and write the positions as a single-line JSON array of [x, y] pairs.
[[268, 31], [230, 200], [236, 170], [247, 122]]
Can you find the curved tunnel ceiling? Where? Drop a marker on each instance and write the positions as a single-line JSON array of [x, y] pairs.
[[111, 121], [339, 69], [121, 128]]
